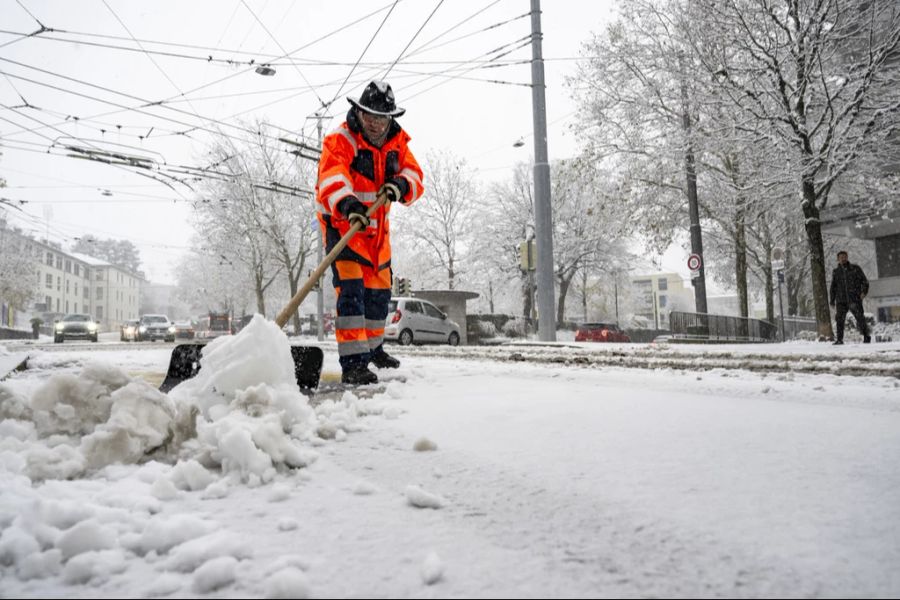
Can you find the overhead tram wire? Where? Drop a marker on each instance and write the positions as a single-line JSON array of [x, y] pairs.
[[280, 47], [153, 60], [98, 149], [146, 103], [208, 84], [317, 40], [493, 63], [519, 47], [163, 102], [366, 49], [30, 15], [415, 35]]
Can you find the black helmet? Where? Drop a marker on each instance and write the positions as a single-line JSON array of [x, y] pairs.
[[378, 99]]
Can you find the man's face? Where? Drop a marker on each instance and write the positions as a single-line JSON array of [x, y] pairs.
[[842, 259], [374, 126]]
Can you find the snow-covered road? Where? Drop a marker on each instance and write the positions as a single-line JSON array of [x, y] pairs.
[[548, 480]]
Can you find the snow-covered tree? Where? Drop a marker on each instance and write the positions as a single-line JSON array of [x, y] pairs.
[[817, 75]]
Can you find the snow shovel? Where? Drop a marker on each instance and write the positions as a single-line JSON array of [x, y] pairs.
[[185, 361]]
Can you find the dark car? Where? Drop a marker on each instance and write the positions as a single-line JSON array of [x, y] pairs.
[[184, 330], [156, 327], [75, 326], [600, 332]]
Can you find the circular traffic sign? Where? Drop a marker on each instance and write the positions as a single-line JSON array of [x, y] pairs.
[[694, 262]]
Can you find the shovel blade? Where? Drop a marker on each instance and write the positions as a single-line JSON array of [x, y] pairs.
[[185, 363]]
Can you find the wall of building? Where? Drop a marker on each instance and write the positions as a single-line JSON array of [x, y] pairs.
[[75, 283]]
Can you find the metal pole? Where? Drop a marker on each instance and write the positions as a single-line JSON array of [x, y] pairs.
[[320, 297], [543, 213], [616, 284], [655, 313], [781, 308]]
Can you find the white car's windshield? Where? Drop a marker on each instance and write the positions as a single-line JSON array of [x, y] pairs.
[[77, 318]]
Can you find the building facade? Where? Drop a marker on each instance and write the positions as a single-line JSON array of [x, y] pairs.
[[69, 282], [656, 295]]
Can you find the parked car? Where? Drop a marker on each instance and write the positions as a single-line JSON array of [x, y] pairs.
[[416, 321], [155, 327], [128, 330], [184, 330], [75, 326], [600, 332]]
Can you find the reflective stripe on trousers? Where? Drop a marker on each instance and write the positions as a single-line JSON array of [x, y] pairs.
[[363, 294]]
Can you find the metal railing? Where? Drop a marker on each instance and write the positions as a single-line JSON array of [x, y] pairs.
[[720, 328], [794, 325]]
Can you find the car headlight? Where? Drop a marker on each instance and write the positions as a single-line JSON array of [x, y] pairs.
[[172, 329], [60, 326], [142, 329], [92, 327]]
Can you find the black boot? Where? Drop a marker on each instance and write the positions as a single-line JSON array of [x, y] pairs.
[[867, 339], [358, 375], [838, 343], [383, 360]]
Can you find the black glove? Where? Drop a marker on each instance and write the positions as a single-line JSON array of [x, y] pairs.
[[354, 211], [395, 188]]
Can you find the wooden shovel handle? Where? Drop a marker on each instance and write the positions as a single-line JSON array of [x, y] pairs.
[[303, 292]]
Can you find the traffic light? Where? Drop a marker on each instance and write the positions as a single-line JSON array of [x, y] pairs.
[[403, 286]]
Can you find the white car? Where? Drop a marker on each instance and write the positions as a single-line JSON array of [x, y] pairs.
[[416, 321]]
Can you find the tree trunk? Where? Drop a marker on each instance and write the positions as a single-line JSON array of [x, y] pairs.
[[740, 263], [491, 296], [564, 283], [816, 262], [451, 275], [260, 296]]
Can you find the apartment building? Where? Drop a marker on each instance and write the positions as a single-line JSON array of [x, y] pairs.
[[658, 294], [68, 282]]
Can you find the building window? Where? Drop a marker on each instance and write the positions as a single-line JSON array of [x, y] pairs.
[[86, 291], [76, 290], [58, 283], [67, 287], [48, 302], [99, 293], [663, 285], [49, 259], [57, 305], [67, 306], [77, 270], [76, 307], [87, 273], [68, 266], [99, 312], [49, 286], [59, 262], [99, 276], [662, 301]]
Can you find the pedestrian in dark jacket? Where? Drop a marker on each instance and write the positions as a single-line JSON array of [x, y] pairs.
[[849, 287]]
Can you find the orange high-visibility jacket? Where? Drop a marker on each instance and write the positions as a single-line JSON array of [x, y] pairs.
[[350, 166]]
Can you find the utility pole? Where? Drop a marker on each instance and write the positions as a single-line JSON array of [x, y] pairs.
[[543, 213], [616, 285], [690, 168]]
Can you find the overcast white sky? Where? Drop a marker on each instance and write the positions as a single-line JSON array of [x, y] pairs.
[[450, 105]]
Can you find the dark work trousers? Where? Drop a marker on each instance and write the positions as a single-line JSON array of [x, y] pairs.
[[840, 315]]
